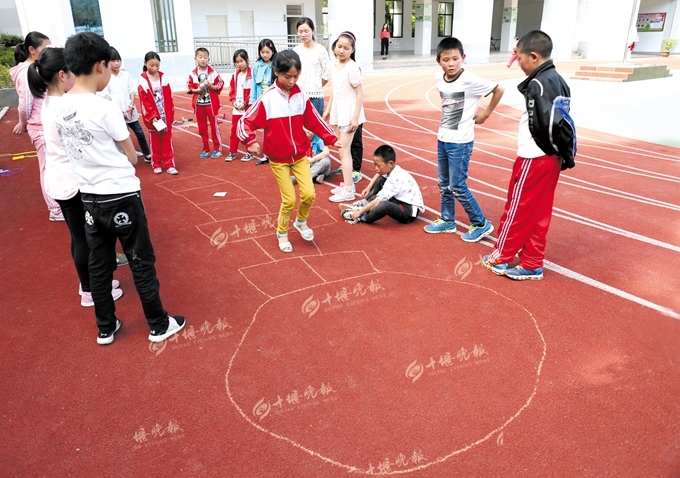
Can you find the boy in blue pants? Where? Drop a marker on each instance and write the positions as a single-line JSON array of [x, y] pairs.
[[98, 144], [460, 92]]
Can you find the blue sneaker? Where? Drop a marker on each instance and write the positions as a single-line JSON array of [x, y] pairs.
[[477, 233], [498, 269], [356, 176], [440, 226], [520, 273], [204, 155], [216, 154]]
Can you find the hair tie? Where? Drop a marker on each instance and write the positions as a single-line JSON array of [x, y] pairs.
[[349, 35]]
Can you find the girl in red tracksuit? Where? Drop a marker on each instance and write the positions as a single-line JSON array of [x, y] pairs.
[[158, 112], [283, 111], [239, 95]]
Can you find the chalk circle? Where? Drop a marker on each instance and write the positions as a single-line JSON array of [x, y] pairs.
[[419, 369]]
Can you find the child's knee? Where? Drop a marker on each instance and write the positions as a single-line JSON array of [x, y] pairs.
[[307, 197]]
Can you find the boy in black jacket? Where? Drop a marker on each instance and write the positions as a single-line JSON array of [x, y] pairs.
[[546, 145]]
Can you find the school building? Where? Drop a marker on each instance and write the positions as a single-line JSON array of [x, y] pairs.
[[595, 29]]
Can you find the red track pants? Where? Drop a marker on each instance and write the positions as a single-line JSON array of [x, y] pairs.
[[528, 210], [204, 115], [162, 152]]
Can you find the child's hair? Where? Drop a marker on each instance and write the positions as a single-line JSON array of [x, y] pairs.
[[115, 56], [449, 43], [152, 55], [352, 39], [309, 22], [202, 50], [266, 42], [242, 54], [84, 50], [33, 39], [536, 41], [286, 60], [386, 153], [385, 25], [43, 72]]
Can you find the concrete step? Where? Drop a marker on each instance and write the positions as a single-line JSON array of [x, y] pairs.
[[621, 72]]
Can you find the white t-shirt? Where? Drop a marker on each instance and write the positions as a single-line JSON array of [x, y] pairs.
[[526, 146], [460, 99], [240, 85], [89, 127], [119, 90], [60, 181], [314, 64]]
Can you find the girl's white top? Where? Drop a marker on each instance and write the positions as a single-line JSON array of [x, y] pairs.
[[345, 79], [314, 63], [61, 182], [119, 90]]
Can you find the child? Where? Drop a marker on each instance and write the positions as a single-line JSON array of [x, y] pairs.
[[158, 112], [285, 142], [240, 89], [205, 84], [460, 92], [99, 147], [318, 155], [122, 90], [513, 58], [392, 192], [29, 108], [345, 108], [263, 76], [50, 74], [546, 145]]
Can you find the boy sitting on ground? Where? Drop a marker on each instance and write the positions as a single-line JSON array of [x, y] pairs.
[[392, 192]]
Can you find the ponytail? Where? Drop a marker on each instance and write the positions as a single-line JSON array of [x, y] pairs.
[[33, 39], [43, 72]]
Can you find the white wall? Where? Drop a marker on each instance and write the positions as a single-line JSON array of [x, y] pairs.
[[9, 19], [52, 18], [605, 29], [651, 41]]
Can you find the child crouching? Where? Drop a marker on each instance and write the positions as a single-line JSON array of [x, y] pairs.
[[392, 192]]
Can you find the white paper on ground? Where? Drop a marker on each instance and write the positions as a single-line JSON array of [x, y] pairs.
[[220, 194]]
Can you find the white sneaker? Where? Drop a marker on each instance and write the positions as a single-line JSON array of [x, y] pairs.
[[173, 171], [139, 153], [342, 196], [247, 157], [106, 339], [87, 301], [114, 285], [338, 189], [175, 324]]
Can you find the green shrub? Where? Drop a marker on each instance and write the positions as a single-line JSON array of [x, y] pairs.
[[7, 57], [5, 79], [10, 40]]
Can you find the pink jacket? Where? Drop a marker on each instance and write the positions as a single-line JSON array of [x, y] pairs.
[[29, 105]]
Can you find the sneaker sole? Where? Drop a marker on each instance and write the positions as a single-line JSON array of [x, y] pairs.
[[480, 237], [444, 231], [498, 272], [513, 277], [346, 206]]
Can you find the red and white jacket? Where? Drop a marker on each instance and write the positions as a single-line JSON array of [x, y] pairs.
[[247, 86], [283, 118], [148, 102], [214, 79]]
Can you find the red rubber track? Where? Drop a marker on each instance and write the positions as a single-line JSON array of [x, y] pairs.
[[373, 349]]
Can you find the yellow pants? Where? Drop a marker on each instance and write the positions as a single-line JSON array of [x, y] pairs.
[[303, 174]]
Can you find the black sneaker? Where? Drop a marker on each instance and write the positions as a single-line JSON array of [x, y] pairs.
[[347, 216], [175, 324], [106, 339], [261, 162]]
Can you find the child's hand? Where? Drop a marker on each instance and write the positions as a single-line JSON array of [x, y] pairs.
[[364, 193], [353, 125], [326, 116], [19, 129], [480, 118], [254, 148]]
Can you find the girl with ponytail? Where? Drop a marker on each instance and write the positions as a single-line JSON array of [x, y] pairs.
[[26, 54], [48, 79]]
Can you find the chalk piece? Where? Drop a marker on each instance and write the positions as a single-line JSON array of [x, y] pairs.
[[220, 194]]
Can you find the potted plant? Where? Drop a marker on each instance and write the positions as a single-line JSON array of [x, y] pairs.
[[667, 45]]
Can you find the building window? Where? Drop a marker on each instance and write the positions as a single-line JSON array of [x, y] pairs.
[[163, 12], [445, 18], [394, 16], [413, 19], [86, 16]]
